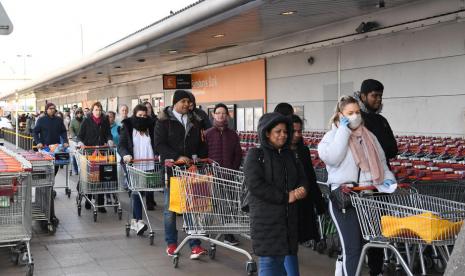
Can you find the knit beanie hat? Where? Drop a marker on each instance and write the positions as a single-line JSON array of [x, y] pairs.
[[179, 95], [370, 85], [48, 105]]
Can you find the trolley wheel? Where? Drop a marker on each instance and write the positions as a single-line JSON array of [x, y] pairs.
[[51, 228], [128, 229], [79, 209], [68, 192], [120, 213], [30, 269], [151, 237], [54, 194], [321, 246], [175, 261], [212, 253], [95, 216], [251, 267], [23, 258]]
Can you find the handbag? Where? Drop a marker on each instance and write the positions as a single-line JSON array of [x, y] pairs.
[[340, 199]]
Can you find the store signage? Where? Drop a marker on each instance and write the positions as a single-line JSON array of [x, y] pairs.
[[180, 81]]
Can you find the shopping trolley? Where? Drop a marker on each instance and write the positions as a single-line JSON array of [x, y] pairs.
[[407, 218], [99, 173], [61, 156], [210, 203], [447, 189], [15, 208], [329, 237], [43, 178], [144, 175]]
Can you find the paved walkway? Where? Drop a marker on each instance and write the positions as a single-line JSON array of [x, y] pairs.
[[82, 247]]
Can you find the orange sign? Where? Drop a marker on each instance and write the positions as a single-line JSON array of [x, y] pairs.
[[239, 82]]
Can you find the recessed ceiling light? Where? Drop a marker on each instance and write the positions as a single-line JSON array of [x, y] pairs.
[[84, 77], [172, 52], [99, 73], [141, 60], [218, 35], [117, 67], [288, 12]]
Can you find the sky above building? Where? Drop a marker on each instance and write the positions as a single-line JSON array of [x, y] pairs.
[[50, 34]]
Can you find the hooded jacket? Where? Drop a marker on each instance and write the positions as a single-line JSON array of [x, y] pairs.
[[126, 144], [172, 140], [380, 127], [269, 175]]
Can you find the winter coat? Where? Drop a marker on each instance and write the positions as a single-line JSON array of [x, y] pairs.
[[380, 127], [126, 145], [269, 175], [308, 229], [202, 117], [224, 147], [50, 130], [91, 134], [74, 127], [172, 140]]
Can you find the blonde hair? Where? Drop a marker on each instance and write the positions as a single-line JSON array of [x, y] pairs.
[[341, 104]]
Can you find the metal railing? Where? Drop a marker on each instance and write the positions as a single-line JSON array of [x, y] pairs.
[[24, 140]]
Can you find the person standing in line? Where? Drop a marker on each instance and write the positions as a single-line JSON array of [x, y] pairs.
[[122, 113], [352, 154], [285, 109], [224, 147], [149, 196], [74, 128], [114, 126], [178, 136], [50, 130], [137, 142], [95, 131], [275, 181], [199, 114]]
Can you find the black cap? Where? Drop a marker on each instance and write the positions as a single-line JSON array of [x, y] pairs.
[[370, 85], [179, 95]]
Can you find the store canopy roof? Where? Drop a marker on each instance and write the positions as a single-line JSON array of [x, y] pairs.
[[6, 27], [187, 38]]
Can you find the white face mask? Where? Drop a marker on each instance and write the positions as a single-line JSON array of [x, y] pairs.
[[355, 120]]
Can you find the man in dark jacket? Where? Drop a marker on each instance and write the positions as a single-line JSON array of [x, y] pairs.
[[178, 136], [50, 130], [275, 181], [370, 100]]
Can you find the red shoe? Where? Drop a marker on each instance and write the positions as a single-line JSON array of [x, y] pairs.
[[197, 251], [171, 249]]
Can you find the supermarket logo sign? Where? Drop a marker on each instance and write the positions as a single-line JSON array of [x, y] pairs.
[[210, 82]]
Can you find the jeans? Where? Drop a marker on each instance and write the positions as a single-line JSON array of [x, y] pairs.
[[169, 219], [75, 166], [271, 266], [291, 263], [136, 206]]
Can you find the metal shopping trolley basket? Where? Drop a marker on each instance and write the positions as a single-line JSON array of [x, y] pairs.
[[144, 176], [43, 178], [209, 197], [15, 208], [61, 158], [408, 218], [99, 174]]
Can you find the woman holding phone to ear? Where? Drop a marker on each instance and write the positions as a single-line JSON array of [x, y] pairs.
[[352, 154]]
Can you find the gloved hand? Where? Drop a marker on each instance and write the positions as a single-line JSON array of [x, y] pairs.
[[80, 145], [127, 158], [111, 143], [388, 182], [344, 121]]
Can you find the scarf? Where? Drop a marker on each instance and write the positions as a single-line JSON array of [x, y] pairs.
[[220, 125], [366, 155], [96, 120]]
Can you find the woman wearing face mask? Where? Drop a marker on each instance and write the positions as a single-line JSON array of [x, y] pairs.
[[149, 196], [137, 142], [352, 154], [95, 131]]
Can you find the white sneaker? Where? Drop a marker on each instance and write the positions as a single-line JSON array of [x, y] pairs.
[[141, 227], [134, 225]]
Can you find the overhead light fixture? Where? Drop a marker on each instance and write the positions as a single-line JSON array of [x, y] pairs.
[[172, 52], [141, 60], [218, 35], [117, 67], [99, 73], [84, 77], [288, 12], [367, 26]]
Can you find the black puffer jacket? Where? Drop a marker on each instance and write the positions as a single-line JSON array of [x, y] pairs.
[[126, 144], [172, 140], [91, 134], [269, 175]]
